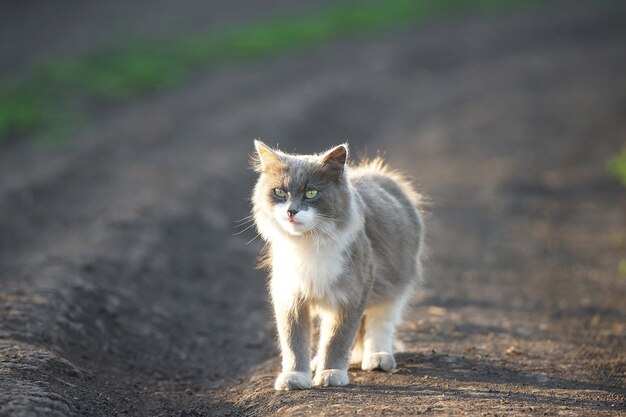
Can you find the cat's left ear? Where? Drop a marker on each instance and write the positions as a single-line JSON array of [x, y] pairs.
[[336, 157]]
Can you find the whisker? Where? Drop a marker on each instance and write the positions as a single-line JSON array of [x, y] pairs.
[[243, 223], [244, 218], [241, 231], [253, 239], [316, 235]]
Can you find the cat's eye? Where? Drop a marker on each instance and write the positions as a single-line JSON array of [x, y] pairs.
[[310, 194], [279, 192]]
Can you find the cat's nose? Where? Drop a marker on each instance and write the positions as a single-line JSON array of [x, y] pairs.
[[291, 213]]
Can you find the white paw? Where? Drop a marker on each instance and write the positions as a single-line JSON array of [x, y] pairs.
[[292, 380], [379, 360], [331, 378]]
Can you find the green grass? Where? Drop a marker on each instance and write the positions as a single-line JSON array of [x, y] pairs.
[[49, 100], [616, 166]]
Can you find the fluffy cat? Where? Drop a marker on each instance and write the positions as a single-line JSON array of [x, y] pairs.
[[344, 244]]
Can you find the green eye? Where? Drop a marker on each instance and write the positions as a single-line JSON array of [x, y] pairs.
[[310, 193], [280, 192]]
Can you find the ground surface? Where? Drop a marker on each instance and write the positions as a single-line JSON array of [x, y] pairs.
[[124, 291]]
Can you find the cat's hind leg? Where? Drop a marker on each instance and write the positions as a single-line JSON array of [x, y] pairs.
[[380, 324], [356, 356]]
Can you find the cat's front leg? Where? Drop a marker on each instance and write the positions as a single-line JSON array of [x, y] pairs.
[[294, 329], [337, 332]]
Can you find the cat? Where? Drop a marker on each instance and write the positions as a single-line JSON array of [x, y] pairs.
[[344, 244]]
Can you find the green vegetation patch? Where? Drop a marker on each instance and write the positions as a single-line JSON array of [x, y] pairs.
[[49, 100], [616, 166]]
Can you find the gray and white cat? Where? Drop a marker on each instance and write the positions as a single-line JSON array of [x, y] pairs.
[[344, 244]]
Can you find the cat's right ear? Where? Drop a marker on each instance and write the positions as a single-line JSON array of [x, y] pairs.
[[266, 160]]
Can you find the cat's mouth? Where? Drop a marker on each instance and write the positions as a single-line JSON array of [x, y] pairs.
[[295, 227]]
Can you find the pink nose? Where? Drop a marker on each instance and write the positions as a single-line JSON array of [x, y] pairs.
[[291, 213]]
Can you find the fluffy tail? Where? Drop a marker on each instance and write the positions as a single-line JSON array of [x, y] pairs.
[[379, 166]]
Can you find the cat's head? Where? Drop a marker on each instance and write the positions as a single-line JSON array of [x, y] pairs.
[[300, 195]]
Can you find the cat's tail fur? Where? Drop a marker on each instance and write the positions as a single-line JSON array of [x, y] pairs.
[[378, 165]]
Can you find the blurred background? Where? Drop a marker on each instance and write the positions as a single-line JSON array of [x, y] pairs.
[[127, 265]]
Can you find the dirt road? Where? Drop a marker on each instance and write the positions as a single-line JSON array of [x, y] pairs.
[[125, 292]]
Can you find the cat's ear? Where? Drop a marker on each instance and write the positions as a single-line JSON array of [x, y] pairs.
[[266, 159], [336, 157]]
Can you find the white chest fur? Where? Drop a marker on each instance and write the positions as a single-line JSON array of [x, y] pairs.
[[309, 270]]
